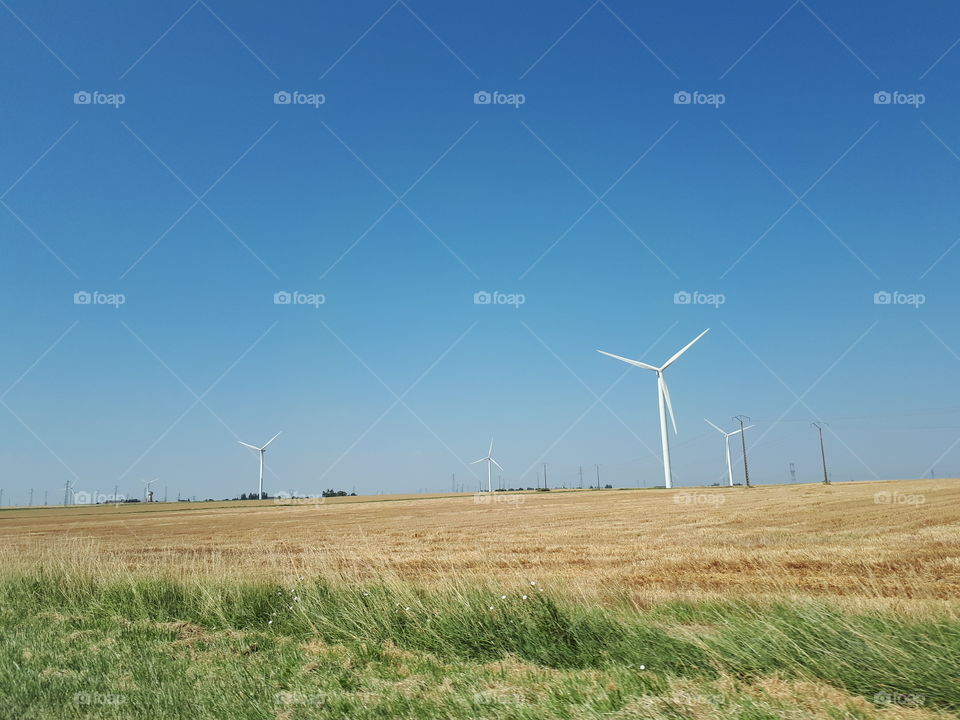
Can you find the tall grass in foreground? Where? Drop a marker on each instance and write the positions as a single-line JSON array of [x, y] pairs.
[[137, 646]]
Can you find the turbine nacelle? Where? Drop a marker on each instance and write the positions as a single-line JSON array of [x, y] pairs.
[[724, 432], [260, 449], [662, 388]]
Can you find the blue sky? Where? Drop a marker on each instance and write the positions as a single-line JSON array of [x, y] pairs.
[[597, 199]]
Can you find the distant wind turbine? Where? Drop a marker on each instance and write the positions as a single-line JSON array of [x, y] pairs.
[[664, 400], [488, 459], [726, 442], [260, 450]]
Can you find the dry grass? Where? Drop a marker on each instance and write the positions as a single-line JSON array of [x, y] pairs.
[[783, 541]]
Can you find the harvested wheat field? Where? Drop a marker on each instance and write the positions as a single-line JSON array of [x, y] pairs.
[[780, 602], [893, 540]]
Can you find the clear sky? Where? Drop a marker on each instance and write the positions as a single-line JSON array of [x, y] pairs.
[[786, 189]]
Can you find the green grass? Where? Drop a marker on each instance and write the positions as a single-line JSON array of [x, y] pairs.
[[75, 647]]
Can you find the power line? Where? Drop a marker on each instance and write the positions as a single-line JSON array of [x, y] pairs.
[[823, 457], [743, 443]]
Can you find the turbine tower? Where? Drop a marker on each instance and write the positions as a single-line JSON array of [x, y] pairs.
[[664, 401], [488, 460], [726, 442], [260, 450]]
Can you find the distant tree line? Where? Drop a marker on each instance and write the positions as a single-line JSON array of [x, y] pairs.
[[267, 496]]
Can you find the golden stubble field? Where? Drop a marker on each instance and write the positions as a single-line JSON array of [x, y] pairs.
[[892, 542]]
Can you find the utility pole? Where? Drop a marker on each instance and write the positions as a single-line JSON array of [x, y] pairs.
[[544, 476], [743, 442], [538, 480], [598, 474], [823, 457], [66, 492]]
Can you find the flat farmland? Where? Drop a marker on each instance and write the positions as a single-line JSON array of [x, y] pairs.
[[802, 602], [890, 541]]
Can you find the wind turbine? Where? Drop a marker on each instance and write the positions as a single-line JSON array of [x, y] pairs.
[[488, 459], [726, 442], [260, 450], [147, 492], [664, 400]]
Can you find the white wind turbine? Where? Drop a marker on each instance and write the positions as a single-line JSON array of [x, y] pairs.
[[664, 399], [260, 450], [726, 442], [488, 459]]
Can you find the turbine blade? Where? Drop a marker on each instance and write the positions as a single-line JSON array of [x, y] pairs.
[[476, 461], [490, 451], [271, 440], [627, 360], [714, 426], [686, 347], [252, 447], [666, 397], [495, 463]]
